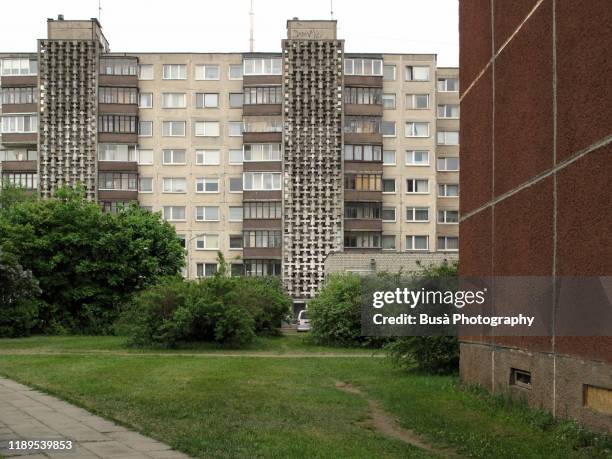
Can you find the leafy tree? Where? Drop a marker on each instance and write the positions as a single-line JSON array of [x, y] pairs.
[[18, 298], [87, 262]]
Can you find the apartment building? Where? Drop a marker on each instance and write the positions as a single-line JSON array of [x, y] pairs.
[[274, 159]]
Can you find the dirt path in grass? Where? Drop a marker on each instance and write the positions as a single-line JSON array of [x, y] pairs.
[[263, 354], [386, 424]]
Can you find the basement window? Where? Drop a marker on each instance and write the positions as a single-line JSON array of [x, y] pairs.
[[520, 378]]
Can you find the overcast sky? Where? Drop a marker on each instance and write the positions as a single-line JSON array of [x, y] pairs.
[[397, 26]]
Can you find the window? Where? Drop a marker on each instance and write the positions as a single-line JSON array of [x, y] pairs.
[[362, 152], [362, 125], [262, 267], [145, 100], [262, 210], [207, 185], [362, 182], [263, 95], [388, 185], [206, 269], [235, 72], [362, 240], [262, 181], [113, 206], [207, 213], [145, 72], [207, 242], [237, 269], [417, 129], [145, 184], [11, 155], [118, 66], [207, 72], [388, 214], [448, 243], [117, 181], [145, 128], [448, 84], [235, 241], [175, 72], [262, 238], [207, 100], [207, 128], [27, 180], [448, 111], [117, 124], [174, 100], [235, 128], [388, 242], [175, 185], [19, 124], [174, 213], [262, 152], [145, 156], [448, 138], [388, 128], [417, 101], [235, 100], [116, 152], [173, 128], [182, 240], [417, 214], [388, 72], [235, 213], [174, 157], [263, 124], [448, 216], [388, 157], [148, 209], [362, 210], [207, 157], [235, 184], [417, 73], [267, 66], [363, 96], [28, 95], [235, 156], [448, 190], [419, 186], [116, 95], [448, 163], [388, 101], [417, 158], [19, 67], [417, 242], [363, 67]]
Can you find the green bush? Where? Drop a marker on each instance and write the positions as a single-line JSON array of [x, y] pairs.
[[88, 263], [335, 313], [432, 354], [18, 298], [226, 310]]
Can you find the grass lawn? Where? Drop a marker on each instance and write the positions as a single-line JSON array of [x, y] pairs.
[[276, 406]]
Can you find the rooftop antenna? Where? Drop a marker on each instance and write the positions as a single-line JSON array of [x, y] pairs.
[[252, 19], [331, 3], [99, 10]]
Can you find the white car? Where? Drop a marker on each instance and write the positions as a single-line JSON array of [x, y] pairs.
[[303, 324]]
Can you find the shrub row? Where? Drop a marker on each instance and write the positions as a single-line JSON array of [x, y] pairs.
[[225, 310]]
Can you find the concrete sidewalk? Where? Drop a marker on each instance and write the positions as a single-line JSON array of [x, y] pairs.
[[26, 414]]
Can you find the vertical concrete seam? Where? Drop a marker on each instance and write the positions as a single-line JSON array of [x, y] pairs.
[[554, 216], [493, 349]]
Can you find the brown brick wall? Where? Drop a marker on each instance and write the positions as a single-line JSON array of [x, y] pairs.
[[536, 168]]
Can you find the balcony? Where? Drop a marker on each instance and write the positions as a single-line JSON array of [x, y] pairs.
[[118, 195], [262, 166], [19, 81], [363, 81], [262, 252], [352, 224], [262, 195], [256, 80], [363, 109], [122, 166], [20, 166], [261, 223], [19, 108], [369, 196], [374, 167], [262, 109], [20, 138]]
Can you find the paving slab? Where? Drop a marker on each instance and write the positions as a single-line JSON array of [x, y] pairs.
[[28, 414]]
